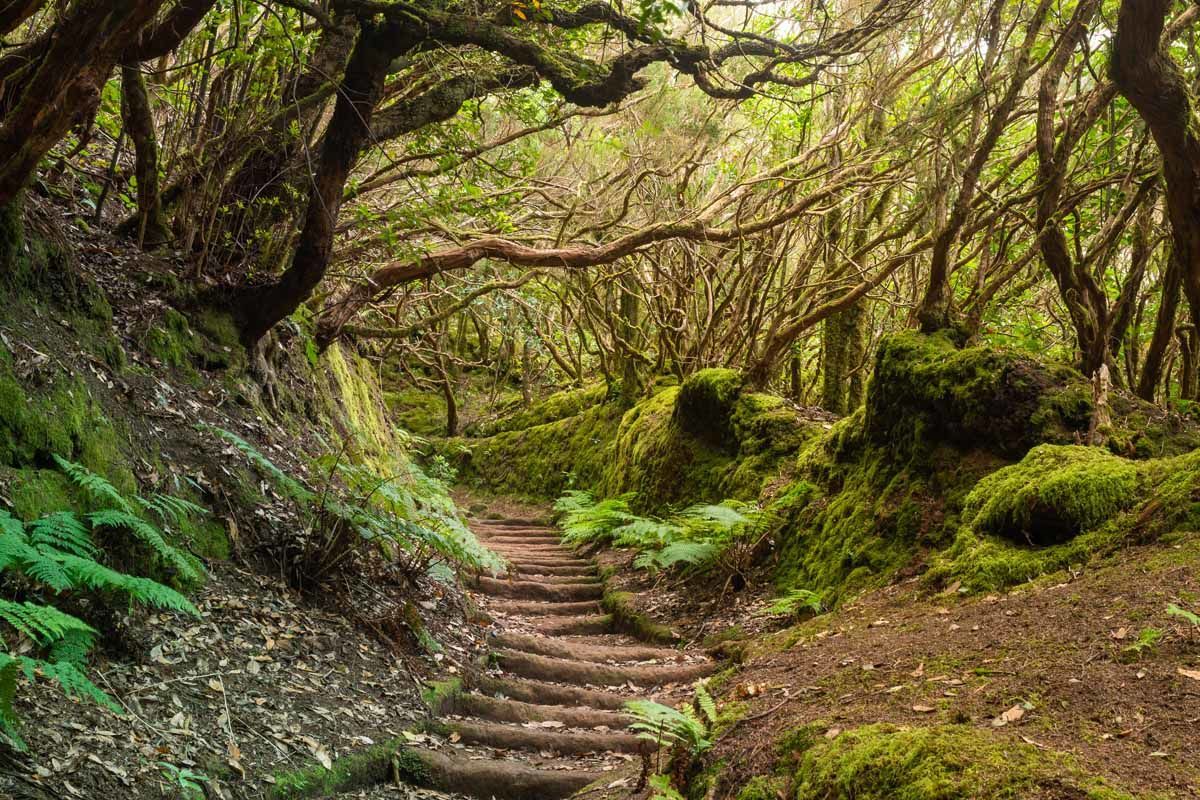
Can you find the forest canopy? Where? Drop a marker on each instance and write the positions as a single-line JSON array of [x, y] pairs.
[[554, 189]]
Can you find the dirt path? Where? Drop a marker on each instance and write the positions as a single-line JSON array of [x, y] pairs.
[[544, 719]]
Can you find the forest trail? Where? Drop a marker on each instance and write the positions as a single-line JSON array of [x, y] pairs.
[[547, 712]]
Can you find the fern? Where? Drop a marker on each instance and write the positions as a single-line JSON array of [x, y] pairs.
[[665, 725], [597, 522], [150, 536], [796, 600], [708, 706], [574, 500], [97, 577], [43, 625], [58, 553], [64, 531], [93, 485], [292, 488], [170, 509]]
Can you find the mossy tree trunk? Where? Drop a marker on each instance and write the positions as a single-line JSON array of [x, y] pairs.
[[1148, 77], [629, 319], [152, 229], [259, 308], [1189, 345]]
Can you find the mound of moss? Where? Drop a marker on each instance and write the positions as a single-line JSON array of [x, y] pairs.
[[543, 460], [704, 406], [705, 440], [560, 405], [950, 762], [1085, 483], [925, 392], [1055, 493]]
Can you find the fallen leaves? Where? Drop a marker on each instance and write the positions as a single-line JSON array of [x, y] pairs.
[[1014, 714]]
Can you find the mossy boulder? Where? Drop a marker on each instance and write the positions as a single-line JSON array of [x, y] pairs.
[[1055, 493], [704, 407], [211, 345], [946, 762], [560, 405], [925, 391], [47, 413]]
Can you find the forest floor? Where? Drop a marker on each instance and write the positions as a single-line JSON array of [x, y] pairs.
[[1086, 663], [263, 684]]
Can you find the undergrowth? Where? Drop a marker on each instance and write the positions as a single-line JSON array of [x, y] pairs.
[[407, 517], [53, 568], [699, 538]]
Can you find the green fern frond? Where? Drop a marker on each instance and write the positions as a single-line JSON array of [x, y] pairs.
[[92, 575], [11, 526], [666, 725], [795, 600], [574, 500], [708, 706], [64, 531], [689, 554], [73, 647], [170, 509], [292, 488], [17, 553], [93, 485], [72, 680], [149, 535], [644, 532], [44, 625]]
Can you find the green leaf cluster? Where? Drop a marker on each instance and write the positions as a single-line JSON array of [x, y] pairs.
[[57, 557]]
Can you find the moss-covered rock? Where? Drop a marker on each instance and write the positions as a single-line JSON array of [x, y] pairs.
[[560, 405], [49, 413], [951, 762], [704, 406], [925, 392], [1055, 493], [211, 345]]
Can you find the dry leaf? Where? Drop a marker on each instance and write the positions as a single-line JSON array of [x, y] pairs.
[[921, 709], [1194, 674], [1012, 715]]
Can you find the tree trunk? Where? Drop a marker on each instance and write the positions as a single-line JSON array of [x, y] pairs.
[[1153, 83], [935, 309], [1164, 326], [260, 308], [152, 228], [1187, 356]]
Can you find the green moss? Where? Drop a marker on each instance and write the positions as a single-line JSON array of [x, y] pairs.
[[212, 345], [438, 695], [34, 493], [59, 417], [763, 788], [558, 406], [1168, 488], [951, 762], [543, 460], [377, 765], [925, 391], [705, 405], [418, 411], [1055, 493], [627, 619]]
